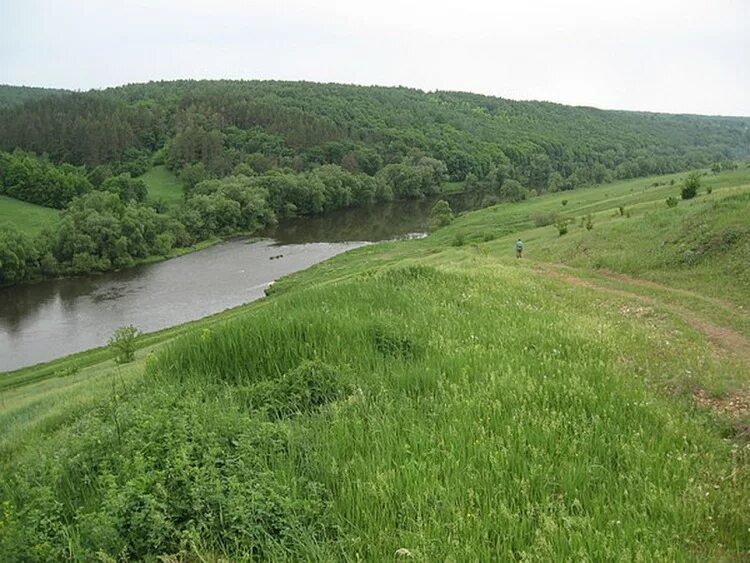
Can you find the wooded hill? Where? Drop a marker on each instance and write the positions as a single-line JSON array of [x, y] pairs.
[[16, 95], [249, 153], [222, 125]]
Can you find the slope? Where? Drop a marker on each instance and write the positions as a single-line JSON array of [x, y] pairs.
[[436, 398]]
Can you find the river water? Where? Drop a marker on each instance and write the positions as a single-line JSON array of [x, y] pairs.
[[43, 321]]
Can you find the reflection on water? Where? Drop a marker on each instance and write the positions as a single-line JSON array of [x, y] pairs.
[[43, 321]]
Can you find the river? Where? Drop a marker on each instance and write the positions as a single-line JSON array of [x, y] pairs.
[[43, 321]]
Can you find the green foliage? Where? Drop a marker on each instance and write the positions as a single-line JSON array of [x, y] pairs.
[[544, 218], [441, 214], [672, 201], [408, 379], [564, 202], [129, 189], [301, 390], [690, 185], [19, 256], [562, 226], [407, 181], [512, 190], [587, 222], [621, 209], [99, 232], [17, 95], [302, 125], [122, 344], [25, 177]]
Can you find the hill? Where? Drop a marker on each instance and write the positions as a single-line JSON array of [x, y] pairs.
[[434, 399], [168, 165], [223, 125], [17, 95]]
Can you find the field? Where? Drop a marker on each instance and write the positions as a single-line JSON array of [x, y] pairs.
[[26, 217], [434, 399], [163, 185]]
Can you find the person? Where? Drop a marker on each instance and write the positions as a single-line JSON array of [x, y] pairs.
[[519, 248]]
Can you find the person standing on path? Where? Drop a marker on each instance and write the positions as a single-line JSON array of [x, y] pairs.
[[519, 248]]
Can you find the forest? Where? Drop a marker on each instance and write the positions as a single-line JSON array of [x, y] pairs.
[[16, 95], [251, 152]]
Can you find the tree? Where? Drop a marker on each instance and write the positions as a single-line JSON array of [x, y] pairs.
[[512, 190], [690, 185], [441, 215], [19, 257], [129, 189], [555, 183], [122, 343]]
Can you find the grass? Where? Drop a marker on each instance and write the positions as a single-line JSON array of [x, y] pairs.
[[163, 185], [26, 217], [422, 397]]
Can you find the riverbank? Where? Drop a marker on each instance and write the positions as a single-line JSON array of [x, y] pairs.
[[538, 408]]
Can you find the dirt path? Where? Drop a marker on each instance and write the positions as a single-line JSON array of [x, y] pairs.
[[723, 340], [648, 284]]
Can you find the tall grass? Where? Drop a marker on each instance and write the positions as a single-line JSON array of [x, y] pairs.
[[420, 397]]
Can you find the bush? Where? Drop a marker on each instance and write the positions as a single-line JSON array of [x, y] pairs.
[[542, 219], [459, 239], [690, 185], [588, 222], [621, 209], [564, 202], [441, 215], [303, 389], [123, 344], [672, 201], [562, 227], [709, 189]]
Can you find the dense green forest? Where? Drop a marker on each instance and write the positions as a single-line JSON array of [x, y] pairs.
[[16, 95], [250, 152]]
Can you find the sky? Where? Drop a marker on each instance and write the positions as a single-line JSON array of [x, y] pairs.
[[679, 56]]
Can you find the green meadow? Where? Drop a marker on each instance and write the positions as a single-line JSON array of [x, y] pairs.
[[26, 217], [163, 185], [433, 399]]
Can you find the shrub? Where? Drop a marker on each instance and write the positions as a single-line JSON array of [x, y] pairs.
[[562, 227], [564, 202], [672, 201], [709, 189], [621, 209], [458, 239], [588, 222], [690, 185], [441, 215], [303, 389], [542, 219], [123, 344]]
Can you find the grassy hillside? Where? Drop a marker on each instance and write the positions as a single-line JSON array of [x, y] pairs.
[[437, 399], [163, 185], [26, 217], [17, 95]]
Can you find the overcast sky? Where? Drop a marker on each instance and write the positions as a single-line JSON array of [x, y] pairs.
[[659, 55]]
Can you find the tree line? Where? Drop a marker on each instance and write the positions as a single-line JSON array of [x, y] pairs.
[[251, 152], [112, 223], [219, 126]]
